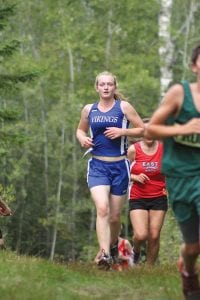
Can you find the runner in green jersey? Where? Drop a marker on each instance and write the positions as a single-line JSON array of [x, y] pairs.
[[177, 121]]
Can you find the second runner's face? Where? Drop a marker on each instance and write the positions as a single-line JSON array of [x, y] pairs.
[[106, 87]]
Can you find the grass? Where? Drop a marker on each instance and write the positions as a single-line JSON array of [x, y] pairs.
[[29, 278]]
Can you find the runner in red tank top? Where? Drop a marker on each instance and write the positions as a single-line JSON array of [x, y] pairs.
[[148, 200]]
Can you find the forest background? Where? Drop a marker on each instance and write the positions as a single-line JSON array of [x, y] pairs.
[[50, 54]]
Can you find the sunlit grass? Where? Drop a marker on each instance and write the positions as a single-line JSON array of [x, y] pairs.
[[27, 278]]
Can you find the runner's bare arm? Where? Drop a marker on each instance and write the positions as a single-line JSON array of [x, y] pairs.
[[135, 120], [83, 127], [170, 106]]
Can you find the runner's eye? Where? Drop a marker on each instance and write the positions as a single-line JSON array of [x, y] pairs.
[[110, 84]]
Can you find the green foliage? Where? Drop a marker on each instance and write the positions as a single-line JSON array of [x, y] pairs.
[[7, 193], [9, 49], [9, 81], [185, 35], [5, 12], [64, 45], [8, 114]]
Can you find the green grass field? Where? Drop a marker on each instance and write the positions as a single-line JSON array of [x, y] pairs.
[[28, 278]]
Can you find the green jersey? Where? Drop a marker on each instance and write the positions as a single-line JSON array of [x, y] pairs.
[[181, 157]]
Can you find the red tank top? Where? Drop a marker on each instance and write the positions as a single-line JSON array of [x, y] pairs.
[[151, 166]]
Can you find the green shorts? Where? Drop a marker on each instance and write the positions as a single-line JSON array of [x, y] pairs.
[[184, 196]]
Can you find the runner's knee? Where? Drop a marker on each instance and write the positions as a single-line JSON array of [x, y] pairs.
[[140, 236]]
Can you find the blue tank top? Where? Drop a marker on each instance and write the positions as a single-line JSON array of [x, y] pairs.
[[99, 121]]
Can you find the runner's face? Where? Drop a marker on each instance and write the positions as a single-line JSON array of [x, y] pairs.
[[149, 142], [106, 87]]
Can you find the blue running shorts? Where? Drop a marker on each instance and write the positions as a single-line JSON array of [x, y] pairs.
[[115, 174]]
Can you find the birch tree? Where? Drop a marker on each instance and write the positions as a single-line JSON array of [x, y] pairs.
[[180, 38], [58, 196], [166, 48], [187, 28]]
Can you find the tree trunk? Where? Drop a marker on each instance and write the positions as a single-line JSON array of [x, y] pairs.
[[188, 24], [109, 38], [22, 199], [74, 156], [46, 164], [58, 197], [166, 49]]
